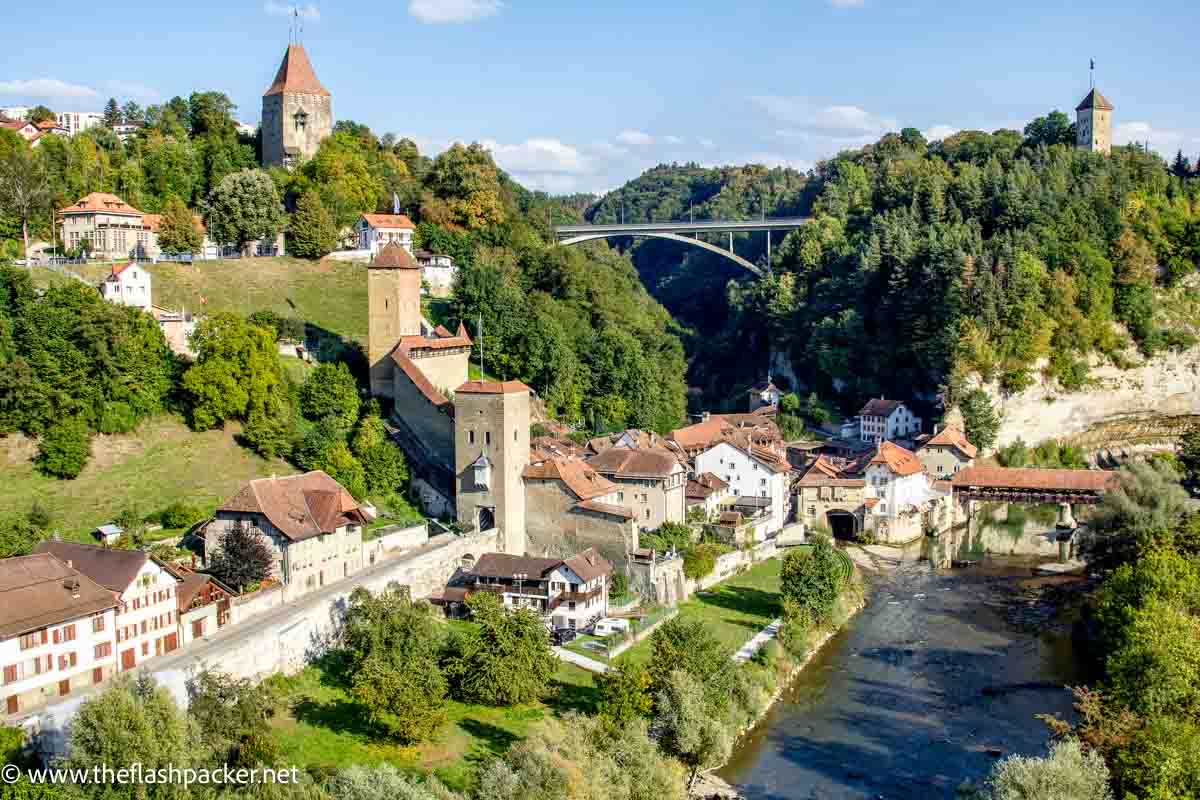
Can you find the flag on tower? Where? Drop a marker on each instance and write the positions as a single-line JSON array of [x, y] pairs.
[[395, 203]]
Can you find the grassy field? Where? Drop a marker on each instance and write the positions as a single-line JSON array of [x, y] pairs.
[[329, 294], [733, 610], [323, 727], [146, 470]]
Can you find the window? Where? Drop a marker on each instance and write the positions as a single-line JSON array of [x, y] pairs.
[[31, 640], [145, 648], [103, 650], [97, 623], [470, 437], [69, 633], [10, 673], [514, 435], [487, 438]]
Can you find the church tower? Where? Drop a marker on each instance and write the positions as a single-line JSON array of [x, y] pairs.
[[297, 112], [1093, 123], [491, 452], [393, 310]]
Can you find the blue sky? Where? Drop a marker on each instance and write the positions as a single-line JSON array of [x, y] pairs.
[[583, 96]]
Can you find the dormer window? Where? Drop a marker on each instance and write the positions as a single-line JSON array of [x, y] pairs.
[[301, 120], [481, 469]]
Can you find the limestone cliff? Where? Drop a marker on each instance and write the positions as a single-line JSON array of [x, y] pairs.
[[1122, 410]]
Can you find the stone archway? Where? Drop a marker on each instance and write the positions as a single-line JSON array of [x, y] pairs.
[[843, 524]]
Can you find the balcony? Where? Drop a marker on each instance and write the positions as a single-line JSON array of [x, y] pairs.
[[525, 590], [573, 597]]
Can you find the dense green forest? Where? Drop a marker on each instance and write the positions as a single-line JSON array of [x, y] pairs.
[[998, 254]]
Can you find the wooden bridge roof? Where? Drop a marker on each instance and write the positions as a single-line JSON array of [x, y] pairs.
[[1035, 480]]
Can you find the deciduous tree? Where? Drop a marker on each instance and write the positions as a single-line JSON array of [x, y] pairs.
[[313, 234], [178, 232], [243, 557], [244, 208], [507, 661]]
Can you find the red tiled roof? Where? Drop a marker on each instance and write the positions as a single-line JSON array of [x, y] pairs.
[[878, 407], [1094, 100], [296, 75], [583, 481], [951, 437], [1085, 480], [299, 506], [589, 564], [605, 508], [410, 343], [871, 502], [702, 433], [704, 485], [393, 256], [101, 202], [40, 590], [389, 221], [503, 565], [490, 387], [897, 459], [635, 463]]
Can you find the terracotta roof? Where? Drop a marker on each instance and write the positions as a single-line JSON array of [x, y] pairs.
[[389, 221], [825, 473], [704, 485], [296, 75], [622, 462], [897, 459], [442, 332], [871, 502], [1094, 100], [702, 433], [605, 508], [589, 564], [190, 584], [580, 478], [878, 407], [462, 332], [117, 269], [40, 590], [951, 437], [14, 124], [730, 518], [48, 125], [414, 374], [503, 565], [1085, 480], [112, 569], [101, 201], [299, 506], [410, 343], [393, 256], [546, 447], [490, 387]]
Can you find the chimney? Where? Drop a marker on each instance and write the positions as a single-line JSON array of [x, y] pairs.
[[704, 416], [935, 428]]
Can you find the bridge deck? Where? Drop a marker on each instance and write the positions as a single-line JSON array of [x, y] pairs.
[[709, 226], [993, 480]]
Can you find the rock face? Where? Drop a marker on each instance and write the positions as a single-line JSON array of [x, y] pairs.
[[1149, 404]]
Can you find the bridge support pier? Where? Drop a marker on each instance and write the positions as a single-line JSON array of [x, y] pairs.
[[1065, 526]]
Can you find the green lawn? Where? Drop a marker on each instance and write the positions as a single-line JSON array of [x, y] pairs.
[[322, 727], [733, 610], [147, 470]]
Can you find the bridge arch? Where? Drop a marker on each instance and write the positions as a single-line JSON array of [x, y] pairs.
[[674, 237]]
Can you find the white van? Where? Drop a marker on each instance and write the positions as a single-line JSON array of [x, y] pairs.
[[609, 626]]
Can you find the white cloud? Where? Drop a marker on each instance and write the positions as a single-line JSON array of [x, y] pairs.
[[443, 11], [128, 90], [607, 150], [847, 3], [46, 87], [708, 143], [636, 138], [305, 11], [673, 139], [541, 155], [1164, 141], [834, 121], [937, 132]]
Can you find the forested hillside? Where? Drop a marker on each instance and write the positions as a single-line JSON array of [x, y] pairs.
[[997, 254]]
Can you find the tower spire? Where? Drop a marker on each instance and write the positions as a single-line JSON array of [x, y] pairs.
[[1092, 75]]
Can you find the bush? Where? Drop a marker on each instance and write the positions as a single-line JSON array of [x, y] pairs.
[[507, 661], [1156, 670], [624, 695], [1067, 773], [330, 391], [64, 448], [687, 645], [117, 417], [243, 558], [699, 561], [1161, 761], [180, 515], [813, 579]]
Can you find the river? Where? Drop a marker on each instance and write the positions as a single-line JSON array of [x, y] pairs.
[[927, 686]]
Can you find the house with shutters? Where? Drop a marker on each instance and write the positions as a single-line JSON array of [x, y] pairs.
[[752, 472], [946, 452], [128, 285], [707, 493], [312, 524], [146, 621], [203, 604], [882, 420], [376, 231], [650, 482], [56, 631]]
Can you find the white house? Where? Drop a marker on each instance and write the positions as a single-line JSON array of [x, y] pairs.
[[897, 479], [569, 593], [128, 285], [883, 420], [375, 231], [750, 471], [146, 623], [764, 395], [56, 631], [437, 271], [708, 493]]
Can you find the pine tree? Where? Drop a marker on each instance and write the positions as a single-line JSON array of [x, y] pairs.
[[313, 234], [177, 232], [112, 113], [1181, 168]]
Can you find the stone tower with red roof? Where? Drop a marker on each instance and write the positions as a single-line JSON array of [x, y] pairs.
[[297, 112], [1093, 123]]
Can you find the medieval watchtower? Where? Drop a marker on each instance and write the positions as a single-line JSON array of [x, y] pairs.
[[297, 112], [393, 310], [1093, 123], [491, 452]]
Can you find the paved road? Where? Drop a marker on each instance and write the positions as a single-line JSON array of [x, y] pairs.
[[571, 657], [921, 690]]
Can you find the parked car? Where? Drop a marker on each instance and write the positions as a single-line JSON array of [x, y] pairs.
[[609, 626], [560, 636]]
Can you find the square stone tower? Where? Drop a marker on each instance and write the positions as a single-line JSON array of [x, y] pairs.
[[297, 112], [1093, 123], [491, 452], [393, 310]]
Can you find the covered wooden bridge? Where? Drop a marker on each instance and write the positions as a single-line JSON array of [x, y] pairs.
[[1020, 485]]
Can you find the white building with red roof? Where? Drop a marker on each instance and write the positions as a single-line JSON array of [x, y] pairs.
[[946, 453], [376, 231], [111, 227], [128, 285], [882, 420]]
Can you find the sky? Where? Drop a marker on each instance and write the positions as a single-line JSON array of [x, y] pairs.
[[583, 96]]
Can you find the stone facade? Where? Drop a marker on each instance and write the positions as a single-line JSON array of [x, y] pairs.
[[297, 112], [491, 451], [556, 527], [393, 310], [1093, 123]]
